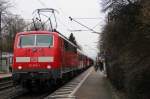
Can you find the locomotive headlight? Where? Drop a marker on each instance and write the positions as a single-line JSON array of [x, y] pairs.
[[20, 67], [48, 67]]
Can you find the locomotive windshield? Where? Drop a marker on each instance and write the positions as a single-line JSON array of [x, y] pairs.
[[36, 40]]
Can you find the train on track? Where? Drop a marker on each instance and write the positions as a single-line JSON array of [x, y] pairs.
[[41, 57]]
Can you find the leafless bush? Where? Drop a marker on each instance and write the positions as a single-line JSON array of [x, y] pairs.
[[125, 42]]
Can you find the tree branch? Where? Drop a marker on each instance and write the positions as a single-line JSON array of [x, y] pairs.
[[129, 2]]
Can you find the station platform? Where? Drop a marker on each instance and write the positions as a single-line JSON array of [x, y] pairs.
[[96, 86], [5, 75]]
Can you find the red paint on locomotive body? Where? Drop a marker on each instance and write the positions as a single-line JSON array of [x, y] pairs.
[[36, 57]]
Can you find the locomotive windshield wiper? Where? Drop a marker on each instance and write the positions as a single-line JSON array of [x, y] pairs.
[[49, 46], [20, 45]]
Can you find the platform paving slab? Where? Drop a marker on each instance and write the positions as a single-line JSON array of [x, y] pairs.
[[96, 86]]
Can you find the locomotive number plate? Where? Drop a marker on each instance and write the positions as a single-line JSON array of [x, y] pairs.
[[34, 59]]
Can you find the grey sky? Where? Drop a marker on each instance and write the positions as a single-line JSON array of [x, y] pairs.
[[66, 8]]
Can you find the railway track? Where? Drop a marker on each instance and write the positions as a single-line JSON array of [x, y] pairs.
[[8, 90], [66, 91], [12, 92], [6, 85]]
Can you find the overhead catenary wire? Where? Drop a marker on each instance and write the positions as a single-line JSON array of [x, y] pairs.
[[65, 15], [63, 24], [93, 31], [96, 25], [42, 3], [96, 18]]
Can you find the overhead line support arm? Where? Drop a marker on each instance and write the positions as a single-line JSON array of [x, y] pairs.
[[93, 31]]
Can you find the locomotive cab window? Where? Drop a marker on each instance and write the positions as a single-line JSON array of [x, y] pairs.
[[44, 40], [36, 40], [27, 41]]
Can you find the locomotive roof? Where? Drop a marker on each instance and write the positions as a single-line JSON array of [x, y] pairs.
[[59, 34], [32, 32]]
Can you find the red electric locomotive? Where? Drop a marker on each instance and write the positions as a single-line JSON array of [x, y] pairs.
[[42, 56]]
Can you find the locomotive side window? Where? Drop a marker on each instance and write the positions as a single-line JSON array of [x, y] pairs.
[[66, 45], [69, 47]]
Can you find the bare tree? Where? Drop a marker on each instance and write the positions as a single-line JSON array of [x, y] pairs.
[[4, 5], [14, 25], [3, 9]]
